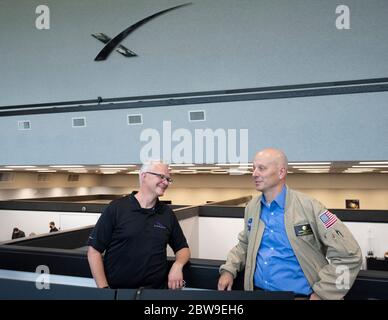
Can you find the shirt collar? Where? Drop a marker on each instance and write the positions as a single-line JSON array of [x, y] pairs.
[[137, 206], [280, 199]]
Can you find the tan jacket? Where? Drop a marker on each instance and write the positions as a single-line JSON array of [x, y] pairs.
[[312, 246]]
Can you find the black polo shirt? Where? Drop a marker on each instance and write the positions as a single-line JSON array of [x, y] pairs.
[[135, 242]]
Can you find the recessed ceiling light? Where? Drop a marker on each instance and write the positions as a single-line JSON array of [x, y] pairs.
[[219, 171], [370, 166], [358, 170], [234, 164], [354, 171], [20, 167], [203, 168], [308, 163], [67, 166], [311, 167], [374, 162], [236, 171], [117, 165], [184, 171]]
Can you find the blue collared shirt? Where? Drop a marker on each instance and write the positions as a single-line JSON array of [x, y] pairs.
[[277, 268]]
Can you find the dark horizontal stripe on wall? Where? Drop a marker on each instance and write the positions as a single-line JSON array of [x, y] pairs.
[[203, 97], [61, 261], [98, 197], [182, 212], [347, 215], [378, 216], [52, 206], [205, 93], [70, 239], [187, 212], [221, 212]]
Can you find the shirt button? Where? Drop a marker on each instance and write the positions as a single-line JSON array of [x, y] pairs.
[[271, 248], [271, 230], [265, 262], [271, 213], [266, 281]]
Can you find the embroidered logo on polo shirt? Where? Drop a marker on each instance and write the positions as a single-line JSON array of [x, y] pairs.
[[249, 224], [159, 225]]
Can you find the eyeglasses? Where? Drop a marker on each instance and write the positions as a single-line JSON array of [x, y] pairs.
[[161, 176]]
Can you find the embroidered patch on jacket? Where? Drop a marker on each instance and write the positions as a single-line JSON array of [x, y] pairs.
[[303, 230], [327, 218], [249, 224], [159, 225]]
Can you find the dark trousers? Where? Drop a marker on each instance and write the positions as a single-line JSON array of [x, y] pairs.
[[297, 295]]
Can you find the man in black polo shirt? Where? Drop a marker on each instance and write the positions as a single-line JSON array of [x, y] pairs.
[[134, 232]]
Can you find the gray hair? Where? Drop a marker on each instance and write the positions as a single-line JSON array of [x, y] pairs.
[[147, 166]]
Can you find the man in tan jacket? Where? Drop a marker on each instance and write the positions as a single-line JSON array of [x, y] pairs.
[[290, 241]]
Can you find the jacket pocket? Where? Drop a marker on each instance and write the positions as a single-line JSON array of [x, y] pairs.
[[342, 244]]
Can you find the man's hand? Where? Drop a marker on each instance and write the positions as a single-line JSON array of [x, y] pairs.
[[225, 281], [175, 277], [314, 296]]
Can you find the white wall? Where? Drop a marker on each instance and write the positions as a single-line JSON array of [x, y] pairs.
[[370, 236], [218, 235], [76, 220], [38, 221], [190, 230]]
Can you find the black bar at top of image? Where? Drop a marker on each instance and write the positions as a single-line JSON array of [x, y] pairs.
[[216, 96]]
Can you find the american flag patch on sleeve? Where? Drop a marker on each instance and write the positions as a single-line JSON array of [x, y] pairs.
[[327, 218]]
